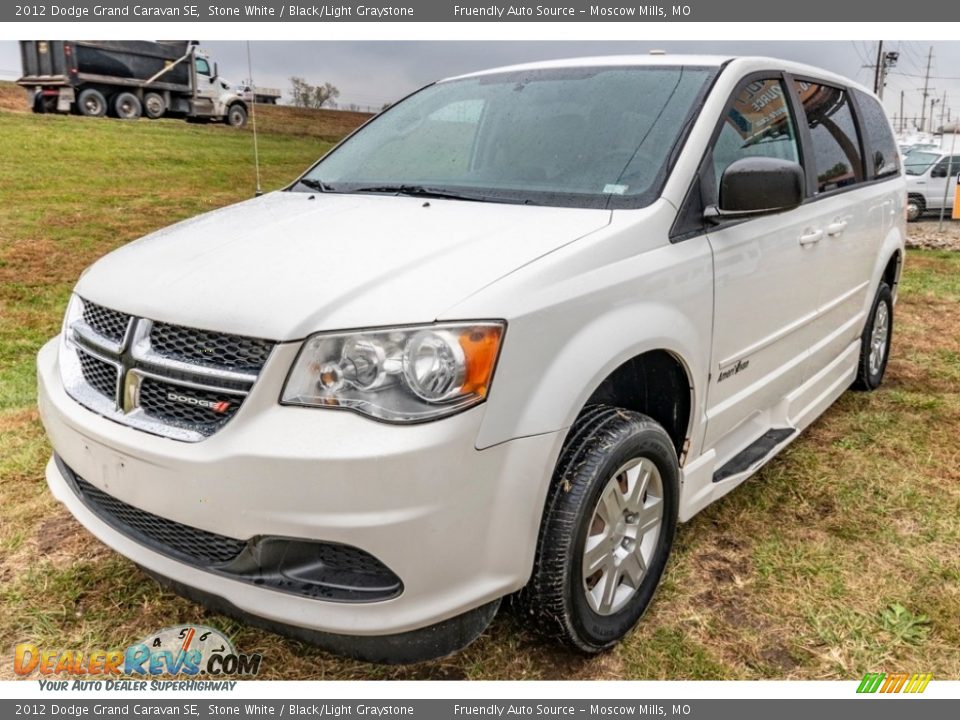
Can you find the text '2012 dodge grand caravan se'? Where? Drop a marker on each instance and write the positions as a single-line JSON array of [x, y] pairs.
[[500, 340]]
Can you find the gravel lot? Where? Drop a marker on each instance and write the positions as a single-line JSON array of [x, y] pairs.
[[924, 234]]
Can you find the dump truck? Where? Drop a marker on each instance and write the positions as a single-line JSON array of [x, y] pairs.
[[128, 80]]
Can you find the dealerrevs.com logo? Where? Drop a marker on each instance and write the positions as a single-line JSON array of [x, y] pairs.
[[182, 650]]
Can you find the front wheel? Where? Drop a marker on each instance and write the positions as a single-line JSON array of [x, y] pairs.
[[915, 208], [875, 342], [236, 116], [607, 529]]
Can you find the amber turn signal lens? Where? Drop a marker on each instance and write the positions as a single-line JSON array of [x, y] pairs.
[[480, 347]]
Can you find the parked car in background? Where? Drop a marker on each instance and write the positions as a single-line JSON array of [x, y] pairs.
[[931, 181], [500, 340]]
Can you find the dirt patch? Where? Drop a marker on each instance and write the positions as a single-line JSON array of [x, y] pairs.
[[53, 531], [778, 657], [15, 420], [927, 234], [13, 98]]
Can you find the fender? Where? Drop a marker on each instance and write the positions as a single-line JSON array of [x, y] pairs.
[[531, 403]]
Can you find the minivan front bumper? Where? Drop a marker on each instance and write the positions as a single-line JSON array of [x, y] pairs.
[[457, 526]]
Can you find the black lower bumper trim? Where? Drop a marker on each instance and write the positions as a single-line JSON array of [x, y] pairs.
[[429, 643], [309, 568]]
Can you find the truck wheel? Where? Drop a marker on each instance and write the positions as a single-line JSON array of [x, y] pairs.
[[127, 106], [875, 342], [607, 529], [915, 207], [92, 103], [154, 105], [236, 116]]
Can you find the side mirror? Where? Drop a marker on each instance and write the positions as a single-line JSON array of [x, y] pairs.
[[216, 72], [758, 186], [939, 172]]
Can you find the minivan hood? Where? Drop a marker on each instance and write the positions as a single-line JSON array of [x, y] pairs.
[[289, 263]]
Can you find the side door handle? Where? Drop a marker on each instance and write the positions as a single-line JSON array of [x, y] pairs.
[[811, 236], [836, 228]]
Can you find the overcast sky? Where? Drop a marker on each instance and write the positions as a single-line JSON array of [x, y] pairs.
[[376, 72]]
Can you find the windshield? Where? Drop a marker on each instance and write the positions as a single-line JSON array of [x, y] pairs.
[[582, 137], [917, 162]]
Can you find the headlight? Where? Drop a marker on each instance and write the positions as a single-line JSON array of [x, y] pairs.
[[402, 375]]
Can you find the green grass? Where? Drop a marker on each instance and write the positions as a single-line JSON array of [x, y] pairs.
[[839, 558]]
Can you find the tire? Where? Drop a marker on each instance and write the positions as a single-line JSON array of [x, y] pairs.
[[92, 103], [875, 342], [236, 116], [154, 106], [916, 207], [127, 106], [588, 515]]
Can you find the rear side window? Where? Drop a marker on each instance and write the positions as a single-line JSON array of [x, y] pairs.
[[881, 148], [836, 146], [757, 123]]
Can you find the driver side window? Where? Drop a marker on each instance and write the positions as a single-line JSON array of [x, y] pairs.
[[948, 167], [203, 67], [757, 123]]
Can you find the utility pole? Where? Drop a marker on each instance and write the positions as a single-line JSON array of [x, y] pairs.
[[903, 121], [933, 104], [926, 92], [878, 70], [943, 108]]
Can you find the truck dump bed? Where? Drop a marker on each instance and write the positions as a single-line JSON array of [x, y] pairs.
[[71, 62]]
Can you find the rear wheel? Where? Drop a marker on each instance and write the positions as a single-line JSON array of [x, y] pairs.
[[154, 105], [92, 103], [607, 530], [127, 106], [875, 342]]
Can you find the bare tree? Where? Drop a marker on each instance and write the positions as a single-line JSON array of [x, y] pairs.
[[305, 95]]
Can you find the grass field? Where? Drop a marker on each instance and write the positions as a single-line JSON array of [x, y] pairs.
[[839, 558]]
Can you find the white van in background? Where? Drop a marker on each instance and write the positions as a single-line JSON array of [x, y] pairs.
[[931, 181]]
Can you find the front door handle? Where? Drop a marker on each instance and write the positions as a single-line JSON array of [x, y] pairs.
[[836, 228], [810, 237]]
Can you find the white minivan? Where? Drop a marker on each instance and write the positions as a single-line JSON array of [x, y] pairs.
[[498, 342]]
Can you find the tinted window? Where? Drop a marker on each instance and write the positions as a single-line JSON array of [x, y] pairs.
[[757, 123], [836, 147], [586, 137], [202, 67], [882, 155]]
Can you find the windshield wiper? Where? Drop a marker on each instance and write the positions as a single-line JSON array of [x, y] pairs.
[[317, 185], [418, 191]]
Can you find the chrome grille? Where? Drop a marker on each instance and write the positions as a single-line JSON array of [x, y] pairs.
[[169, 380], [109, 323], [210, 411], [99, 374], [208, 348]]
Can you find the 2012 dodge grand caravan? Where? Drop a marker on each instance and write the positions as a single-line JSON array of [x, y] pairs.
[[500, 340]]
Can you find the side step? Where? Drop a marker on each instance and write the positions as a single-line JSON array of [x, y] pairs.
[[753, 453]]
